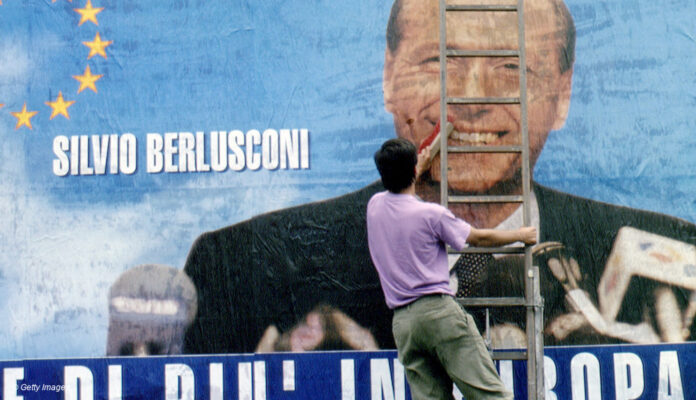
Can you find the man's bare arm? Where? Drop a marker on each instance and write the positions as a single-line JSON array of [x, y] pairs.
[[501, 237]]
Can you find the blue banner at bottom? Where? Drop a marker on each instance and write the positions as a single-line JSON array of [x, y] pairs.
[[596, 372]]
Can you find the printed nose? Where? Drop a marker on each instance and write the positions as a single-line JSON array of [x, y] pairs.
[[468, 79]]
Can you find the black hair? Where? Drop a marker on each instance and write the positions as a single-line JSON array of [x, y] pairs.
[[567, 50], [396, 162]]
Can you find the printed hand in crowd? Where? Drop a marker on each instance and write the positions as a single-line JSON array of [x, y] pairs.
[[323, 328], [662, 317]]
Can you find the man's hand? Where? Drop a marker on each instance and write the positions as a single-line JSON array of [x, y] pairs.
[[528, 235], [423, 160]]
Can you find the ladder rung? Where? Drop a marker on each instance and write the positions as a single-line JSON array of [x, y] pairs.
[[509, 355], [463, 7], [484, 149], [492, 250], [485, 199], [483, 100], [492, 301], [482, 53]]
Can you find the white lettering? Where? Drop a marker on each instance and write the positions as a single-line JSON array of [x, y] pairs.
[[128, 159], [347, 379], [244, 381], [289, 149], [399, 380], [381, 381], [178, 382], [259, 380], [218, 156], [88, 155], [10, 377], [288, 375], [100, 147], [74, 154], [216, 381], [115, 382], [585, 366], [304, 142], [670, 382], [169, 151], [182, 152], [628, 376], [253, 159], [79, 383], [187, 157], [155, 159], [137, 305], [85, 169], [269, 149], [505, 367], [113, 154], [61, 164], [201, 166], [236, 159], [550, 378]]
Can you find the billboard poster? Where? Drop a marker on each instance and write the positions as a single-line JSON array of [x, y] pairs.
[[191, 177]]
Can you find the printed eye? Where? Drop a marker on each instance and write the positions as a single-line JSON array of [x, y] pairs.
[[433, 59], [511, 66]]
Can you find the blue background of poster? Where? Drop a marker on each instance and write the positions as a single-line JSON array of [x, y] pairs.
[[187, 66]]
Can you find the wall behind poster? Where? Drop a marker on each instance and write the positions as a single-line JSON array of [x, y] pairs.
[[211, 66]]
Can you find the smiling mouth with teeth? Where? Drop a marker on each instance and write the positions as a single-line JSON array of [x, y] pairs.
[[456, 138], [475, 138]]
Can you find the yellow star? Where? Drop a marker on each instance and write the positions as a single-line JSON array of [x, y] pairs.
[[60, 106], [87, 80], [24, 117], [88, 13], [97, 46]]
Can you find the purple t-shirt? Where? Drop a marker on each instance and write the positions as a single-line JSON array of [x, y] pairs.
[[407, 240]]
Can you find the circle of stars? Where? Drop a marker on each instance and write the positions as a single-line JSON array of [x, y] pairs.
[[97, 47]]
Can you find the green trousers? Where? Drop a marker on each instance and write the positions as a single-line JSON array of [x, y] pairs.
[[438, 345]]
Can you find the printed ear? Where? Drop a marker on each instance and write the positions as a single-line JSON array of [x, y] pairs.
[[566, 82], [387, 85]]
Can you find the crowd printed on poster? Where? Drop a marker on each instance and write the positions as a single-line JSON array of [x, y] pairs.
[[612, 372], [182, 152]]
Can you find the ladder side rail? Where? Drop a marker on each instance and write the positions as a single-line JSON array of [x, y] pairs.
[[535, 363], [443, 103]]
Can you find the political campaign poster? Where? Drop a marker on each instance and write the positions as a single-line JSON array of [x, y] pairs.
[[191, 177]]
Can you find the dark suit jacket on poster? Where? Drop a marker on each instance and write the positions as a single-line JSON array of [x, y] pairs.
[[276, 267]]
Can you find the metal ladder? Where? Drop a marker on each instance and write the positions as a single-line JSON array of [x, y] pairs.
[[532, 300]]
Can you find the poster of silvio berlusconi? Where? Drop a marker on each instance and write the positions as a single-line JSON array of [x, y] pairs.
[[190, 177]]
